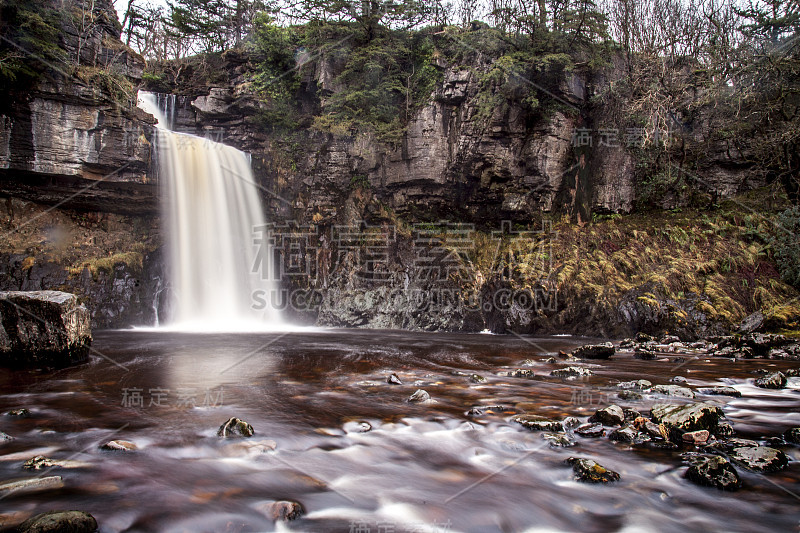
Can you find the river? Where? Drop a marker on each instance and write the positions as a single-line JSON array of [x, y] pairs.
[[355, 453]]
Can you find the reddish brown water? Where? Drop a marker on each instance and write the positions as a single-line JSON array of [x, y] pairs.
[[420, 468]]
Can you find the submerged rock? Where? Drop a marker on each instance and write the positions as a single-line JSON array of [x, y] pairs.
[[522, 373], [689, 417], [760, 459], [47, 328], [594, 351], [5, 437], [588, 471], [613, 415], [714, 471], [571, 372], [538, 423], [35, 484], [673, 390], [235, 427], [19, 413], [720, 391], [477, 378], [776, 380], [119, 446], [60, 522], [393, 380]]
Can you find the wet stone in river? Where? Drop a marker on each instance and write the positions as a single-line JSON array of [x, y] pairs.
[[234, 427], [673, 390], [538, 423], [589, 471], [776, 380], [613, 415], [760, 459], [119, 446], [591, 430], [714, 471]]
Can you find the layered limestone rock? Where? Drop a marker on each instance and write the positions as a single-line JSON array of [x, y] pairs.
[[77, 129]]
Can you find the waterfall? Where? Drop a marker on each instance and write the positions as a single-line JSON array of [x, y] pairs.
[[212, 215]]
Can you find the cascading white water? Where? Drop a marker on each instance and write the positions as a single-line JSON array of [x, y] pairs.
[[213, 215]]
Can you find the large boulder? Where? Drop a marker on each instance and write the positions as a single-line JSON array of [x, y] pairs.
[[43, 328]]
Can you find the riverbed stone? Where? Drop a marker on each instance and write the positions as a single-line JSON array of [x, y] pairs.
[[673, 390], [420, 396], [477, 378], [696, 437], [623, 434], [724, 429], [538, 423], [589, 471], [687, 417], [571, 372], [760, 458], [792, 435], [35, 484], [40, 462], [19, 413], [653, 430], [43, 328], [60, 522], [775, 380], [644, 354], [640, 384], [720, 391], [629, 395], [558, 440], [521, 373], [714, 471], [591, 430], [594, 351], [234, 427], [284, 510], [119, 446], [613, 415], [393, 380]]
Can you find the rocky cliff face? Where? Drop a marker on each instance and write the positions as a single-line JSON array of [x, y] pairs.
[[408, 234], [76, 135]]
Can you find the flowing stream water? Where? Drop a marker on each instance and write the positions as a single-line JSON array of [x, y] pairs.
[[430, 467]]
